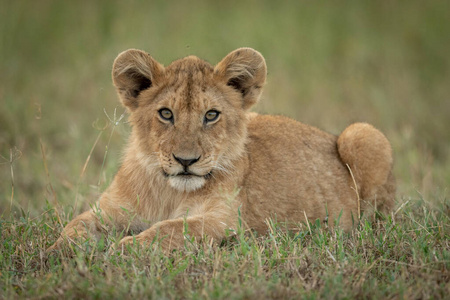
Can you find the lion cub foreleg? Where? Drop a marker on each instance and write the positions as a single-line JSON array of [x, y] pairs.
[[94, 223], [84, 226], [172, 234]]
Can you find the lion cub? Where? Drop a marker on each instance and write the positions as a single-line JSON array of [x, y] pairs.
[[197, 156]]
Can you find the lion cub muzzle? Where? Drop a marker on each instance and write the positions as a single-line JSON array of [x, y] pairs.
[[186, 177]]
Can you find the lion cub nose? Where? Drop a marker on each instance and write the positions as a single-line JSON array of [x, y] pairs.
[[186, 162]]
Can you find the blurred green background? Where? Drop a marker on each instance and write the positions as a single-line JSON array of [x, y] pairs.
[[330, 63]]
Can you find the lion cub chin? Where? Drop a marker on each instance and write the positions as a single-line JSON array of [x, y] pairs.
[[187, 183], [196, 157]]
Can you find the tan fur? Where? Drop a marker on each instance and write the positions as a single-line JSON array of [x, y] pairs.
[[261, 166]]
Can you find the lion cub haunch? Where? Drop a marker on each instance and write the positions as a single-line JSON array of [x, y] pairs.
[[196, 157]]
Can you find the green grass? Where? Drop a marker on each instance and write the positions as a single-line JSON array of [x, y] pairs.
[[330, 64], [404, 257]]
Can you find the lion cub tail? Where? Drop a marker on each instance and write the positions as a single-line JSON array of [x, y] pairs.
[[368, 153]]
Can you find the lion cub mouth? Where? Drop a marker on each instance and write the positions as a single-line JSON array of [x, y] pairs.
[[188, 174]]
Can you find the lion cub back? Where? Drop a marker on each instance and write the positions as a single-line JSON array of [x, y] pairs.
[[297, 170]]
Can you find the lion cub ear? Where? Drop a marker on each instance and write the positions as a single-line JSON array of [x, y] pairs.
[[245, 70], [134, 71]]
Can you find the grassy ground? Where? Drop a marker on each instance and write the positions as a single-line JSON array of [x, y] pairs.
[[330, 64]]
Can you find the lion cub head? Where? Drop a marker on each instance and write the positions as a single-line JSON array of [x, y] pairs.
[[189, 118]]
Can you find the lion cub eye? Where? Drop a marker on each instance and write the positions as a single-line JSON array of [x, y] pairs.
[[166, 114], [211, 116]]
